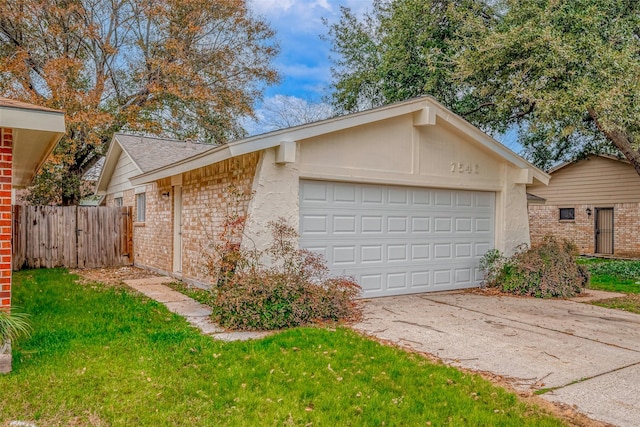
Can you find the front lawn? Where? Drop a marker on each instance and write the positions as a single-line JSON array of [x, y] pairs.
[[616, 276], [102, 355]]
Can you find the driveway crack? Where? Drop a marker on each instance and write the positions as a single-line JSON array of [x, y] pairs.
[[531, 325]]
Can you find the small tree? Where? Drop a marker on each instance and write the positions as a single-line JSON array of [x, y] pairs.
[[12, 326]]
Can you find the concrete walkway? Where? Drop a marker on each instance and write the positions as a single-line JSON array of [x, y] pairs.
[[588, 356], [197, 314]]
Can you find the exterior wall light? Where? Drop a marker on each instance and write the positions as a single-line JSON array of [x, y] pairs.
[[589, 212]]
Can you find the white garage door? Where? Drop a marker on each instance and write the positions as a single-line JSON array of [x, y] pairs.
[[398, 240]]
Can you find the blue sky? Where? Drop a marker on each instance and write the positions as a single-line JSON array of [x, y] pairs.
[[303, 62], [304, 58]]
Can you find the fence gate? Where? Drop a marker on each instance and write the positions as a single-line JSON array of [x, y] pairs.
[[71, 236]]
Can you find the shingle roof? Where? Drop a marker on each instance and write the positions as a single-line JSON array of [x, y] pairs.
[[150, 153], [12, 103]]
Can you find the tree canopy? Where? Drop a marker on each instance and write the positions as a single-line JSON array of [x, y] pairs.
[[178, 68], [564, 71]]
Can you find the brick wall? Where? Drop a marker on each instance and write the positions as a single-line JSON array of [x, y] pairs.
[[205, 204], [153, 239], [6, 143], [544, 219], [128, 199], [206, 201]]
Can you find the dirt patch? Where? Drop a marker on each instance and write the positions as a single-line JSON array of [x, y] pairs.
[[114, 276]]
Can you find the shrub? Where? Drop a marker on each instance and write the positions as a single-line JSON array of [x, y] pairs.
[[292, 289], [545, 271]]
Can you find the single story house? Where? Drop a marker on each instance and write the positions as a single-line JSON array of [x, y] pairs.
[[406, 198], [28, 134], [595, 202]]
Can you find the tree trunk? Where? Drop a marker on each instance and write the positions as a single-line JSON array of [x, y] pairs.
[[621, 140]]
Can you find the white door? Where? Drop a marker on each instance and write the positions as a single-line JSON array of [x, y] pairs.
[[398, 240], [177, 229]]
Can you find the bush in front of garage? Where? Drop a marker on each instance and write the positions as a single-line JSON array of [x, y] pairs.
[[282, 287], [547, 270]]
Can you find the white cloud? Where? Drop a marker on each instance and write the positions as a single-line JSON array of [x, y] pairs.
[[271, 7]]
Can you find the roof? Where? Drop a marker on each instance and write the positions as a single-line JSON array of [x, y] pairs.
[[12, 103], [36, 131], [425, 108], [532, 198], [147, 154], [570, 162]]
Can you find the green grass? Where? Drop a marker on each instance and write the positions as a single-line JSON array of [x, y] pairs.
[[616, 276], [105, 356], [613, 275]]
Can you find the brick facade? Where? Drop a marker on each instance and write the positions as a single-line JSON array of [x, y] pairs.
[[544, 220], [6, 158], [206, 202]]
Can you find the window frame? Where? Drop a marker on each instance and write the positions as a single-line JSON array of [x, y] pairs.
[[567, 209], [141, 207]]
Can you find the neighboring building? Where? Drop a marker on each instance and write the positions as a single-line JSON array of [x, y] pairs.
[[28, 134], [595, 202], [406, 198]]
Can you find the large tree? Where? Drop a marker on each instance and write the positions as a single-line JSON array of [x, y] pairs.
[[399, 50], [568, 68], [180, 68], [565, 72]]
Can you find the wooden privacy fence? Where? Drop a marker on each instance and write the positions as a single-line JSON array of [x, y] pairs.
[[71, 236]]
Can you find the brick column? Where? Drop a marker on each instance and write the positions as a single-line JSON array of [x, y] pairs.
[[6, 143]]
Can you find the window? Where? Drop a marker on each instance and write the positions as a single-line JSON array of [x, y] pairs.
[[141, 206], [567, 214], [117, 201]]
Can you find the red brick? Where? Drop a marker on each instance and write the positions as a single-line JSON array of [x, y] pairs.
[[5, 302]]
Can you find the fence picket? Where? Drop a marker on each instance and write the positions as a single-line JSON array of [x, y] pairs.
[[82, 237]]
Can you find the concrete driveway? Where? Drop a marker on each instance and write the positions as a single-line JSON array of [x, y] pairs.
[[589, 355]]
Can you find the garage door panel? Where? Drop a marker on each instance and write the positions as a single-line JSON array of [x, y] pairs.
[[397, 253], [344, 224], [421, 197], [398, 240], [420, 252], [398, 196], [314, 224], [420, 280], [344, 194]]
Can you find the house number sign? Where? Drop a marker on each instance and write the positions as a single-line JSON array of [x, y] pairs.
[[460, 167]]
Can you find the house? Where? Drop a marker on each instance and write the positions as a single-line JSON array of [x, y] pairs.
[[406, 198], [595, 202], [28, 134]]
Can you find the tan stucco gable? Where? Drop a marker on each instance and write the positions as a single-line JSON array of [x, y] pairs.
[[423, 112]]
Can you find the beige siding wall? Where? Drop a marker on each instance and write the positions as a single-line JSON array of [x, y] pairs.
[[544, 220], [124, 170], [596, 180]]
